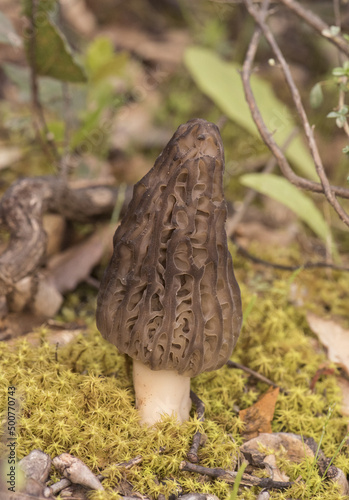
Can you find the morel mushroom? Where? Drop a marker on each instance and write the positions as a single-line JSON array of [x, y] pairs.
[[169, 297]]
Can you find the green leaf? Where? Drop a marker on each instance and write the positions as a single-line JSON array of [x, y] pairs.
[[333, 114], [339, 72], [53, 55], [331, 32], [235, 490], [222, 83], [282, 190], [316, 96], [102, 62]]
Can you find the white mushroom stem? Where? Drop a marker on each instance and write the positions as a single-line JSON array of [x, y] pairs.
[[160, 392]]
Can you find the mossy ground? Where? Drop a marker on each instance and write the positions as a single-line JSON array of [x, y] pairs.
[[79, 398]]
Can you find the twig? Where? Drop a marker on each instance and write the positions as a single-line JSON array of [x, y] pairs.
[[306, 265], [192, 454], [262, 378], [131, 463], [230, 476], [22, 208], [64, 164], [324, 187], [55, 488], [320, 371], [39, 118], [196, 496], [343, 79], [251, 193], [318, 24], [93, 282]]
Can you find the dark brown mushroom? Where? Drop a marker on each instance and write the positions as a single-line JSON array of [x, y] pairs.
[[169, 297]]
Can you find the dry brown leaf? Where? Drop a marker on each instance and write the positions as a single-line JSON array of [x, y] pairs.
[[344, 387], [79, 17], [258, 417], [9, 156], [69, 268], [295, 448], [54, 337], [54, 225], [275, 472], [165, 48], [334, 337], [256, 231]]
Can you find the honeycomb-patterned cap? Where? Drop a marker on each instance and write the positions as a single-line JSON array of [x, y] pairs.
[[169, 297]]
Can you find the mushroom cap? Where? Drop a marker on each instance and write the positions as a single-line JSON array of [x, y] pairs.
[[169, 297]]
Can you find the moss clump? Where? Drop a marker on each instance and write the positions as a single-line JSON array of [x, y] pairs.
[[79, 399]]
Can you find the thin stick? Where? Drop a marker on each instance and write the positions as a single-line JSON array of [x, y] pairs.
[[192, 454], [306, 265], [48, 145], [131, 463], [55, 488], [262, 378], [325, 187], [230, 476], [251, 193], [318, 24], [343, 79], [67, 111]]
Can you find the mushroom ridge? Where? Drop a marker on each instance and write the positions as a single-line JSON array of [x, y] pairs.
[[169, 297]]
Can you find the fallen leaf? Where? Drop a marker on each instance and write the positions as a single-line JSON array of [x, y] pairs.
[[258, 417], [295, 448], [344, 387], [256, 231], [79, 17], [334, 337], [9, 156], [73, 266], [341, 479], [264, 495], [275, 472], [54, 337], [54, 226], [166, 48]]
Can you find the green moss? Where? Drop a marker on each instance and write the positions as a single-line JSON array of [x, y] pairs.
[[79, 398]]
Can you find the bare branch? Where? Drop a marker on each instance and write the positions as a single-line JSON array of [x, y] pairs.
[[192, 454], [259, 376], [21, 211], [40, 124], [230, 476], [324, 187], [318, 24], [251, 194]]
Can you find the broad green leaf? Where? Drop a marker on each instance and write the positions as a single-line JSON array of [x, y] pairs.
[[221, 81], [282, 190], [102, 62], [53, 55]]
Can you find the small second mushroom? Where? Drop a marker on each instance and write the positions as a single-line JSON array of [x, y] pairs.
[[169, 297]]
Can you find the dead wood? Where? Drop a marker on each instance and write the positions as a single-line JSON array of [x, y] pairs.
[[192, 454], [21, 213], [230, 476]]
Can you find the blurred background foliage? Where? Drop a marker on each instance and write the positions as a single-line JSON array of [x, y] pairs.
[[115, 80]]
